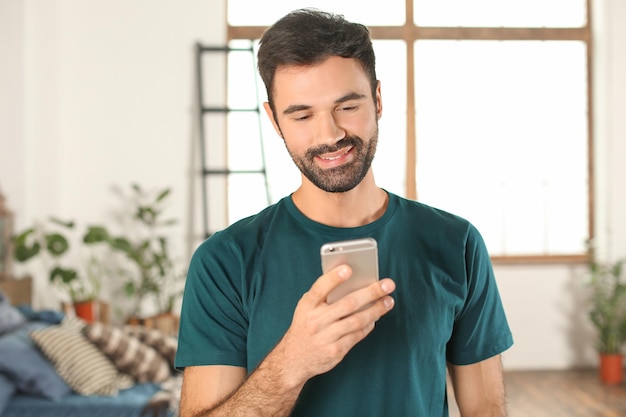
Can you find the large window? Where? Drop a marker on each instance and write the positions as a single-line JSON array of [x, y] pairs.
[[486, 114]]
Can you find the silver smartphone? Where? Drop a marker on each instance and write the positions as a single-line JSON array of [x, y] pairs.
[[360, 254]]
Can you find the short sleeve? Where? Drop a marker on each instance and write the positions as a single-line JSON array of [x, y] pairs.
[[213, 324], [481, 329]]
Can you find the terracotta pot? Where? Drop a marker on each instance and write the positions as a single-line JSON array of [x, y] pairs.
[[86, 310], [611, 368]]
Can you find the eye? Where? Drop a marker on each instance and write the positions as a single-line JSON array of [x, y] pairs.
[[301, 118], [349, 108]]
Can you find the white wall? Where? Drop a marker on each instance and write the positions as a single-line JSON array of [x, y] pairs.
[[11, 100], [99, 93]]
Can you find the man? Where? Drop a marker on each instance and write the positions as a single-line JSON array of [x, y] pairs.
[[257, 337]]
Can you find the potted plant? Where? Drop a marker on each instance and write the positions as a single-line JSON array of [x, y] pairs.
[[608, 315], [50, 243], [152, 275]]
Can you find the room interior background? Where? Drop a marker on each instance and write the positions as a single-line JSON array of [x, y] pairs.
[[95, 94]]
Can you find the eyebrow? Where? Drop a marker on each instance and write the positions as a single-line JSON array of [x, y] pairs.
[[299, 107]]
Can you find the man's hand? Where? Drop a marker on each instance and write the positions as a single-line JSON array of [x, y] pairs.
[[321, 334]]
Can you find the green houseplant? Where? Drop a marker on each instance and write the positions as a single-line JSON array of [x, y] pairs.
[[607, 296], [151, 274], [51, 242]]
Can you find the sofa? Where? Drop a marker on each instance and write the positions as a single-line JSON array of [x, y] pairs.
[[53, 365]]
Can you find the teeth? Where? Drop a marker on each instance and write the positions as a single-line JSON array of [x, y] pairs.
[[332, 158]]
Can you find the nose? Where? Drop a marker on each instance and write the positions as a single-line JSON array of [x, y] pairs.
[[328, 130]]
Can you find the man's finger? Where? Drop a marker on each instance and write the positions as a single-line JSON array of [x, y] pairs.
[[328, 282]]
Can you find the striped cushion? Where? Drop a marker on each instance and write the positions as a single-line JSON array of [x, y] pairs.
[[81, 364], [164, 344], [128, 353]]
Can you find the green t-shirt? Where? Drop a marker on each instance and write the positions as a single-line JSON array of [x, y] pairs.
[[245, 281]]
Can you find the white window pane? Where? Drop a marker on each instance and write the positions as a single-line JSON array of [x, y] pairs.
[[244, 127], [390, 161], [502, 140], [244, 144], [246, 195], [260, 13], [497, 13], [252, 140]]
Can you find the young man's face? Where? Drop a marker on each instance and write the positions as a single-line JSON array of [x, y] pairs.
[[329, 121]]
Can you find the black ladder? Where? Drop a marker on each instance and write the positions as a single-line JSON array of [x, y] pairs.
[[205, 142]]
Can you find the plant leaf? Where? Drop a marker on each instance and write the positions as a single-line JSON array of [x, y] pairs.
[[56, 244], [66, 275], [23, 253], [69, 224], [163, 194], [122, 244], [96, 234]]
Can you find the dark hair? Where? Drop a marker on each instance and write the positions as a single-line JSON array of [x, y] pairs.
[[310, 36]]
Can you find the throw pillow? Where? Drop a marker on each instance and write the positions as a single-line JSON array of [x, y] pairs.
[[27, 369], [164, 344], [128, 353], [79, 362]]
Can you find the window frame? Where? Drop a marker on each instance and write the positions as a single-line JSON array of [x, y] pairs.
[[409, 32]]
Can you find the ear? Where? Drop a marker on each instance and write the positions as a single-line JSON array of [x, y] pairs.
[[270, 114], [379, 102]]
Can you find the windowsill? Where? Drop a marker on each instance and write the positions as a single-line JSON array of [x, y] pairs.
[[540, 259]]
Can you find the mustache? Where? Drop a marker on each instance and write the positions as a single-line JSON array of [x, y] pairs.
[[322, 149]]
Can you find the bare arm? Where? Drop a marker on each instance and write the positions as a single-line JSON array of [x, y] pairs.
[[319, 337], [479, 388], [205, 386], [225, 391]]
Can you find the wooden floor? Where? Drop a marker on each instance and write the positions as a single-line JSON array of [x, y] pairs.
[[576, 393]]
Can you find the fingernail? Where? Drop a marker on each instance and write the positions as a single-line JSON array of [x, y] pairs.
[[389, 302], [343, 271], [386, 286]]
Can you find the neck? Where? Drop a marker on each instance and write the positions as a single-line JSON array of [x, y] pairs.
[[360, 206]]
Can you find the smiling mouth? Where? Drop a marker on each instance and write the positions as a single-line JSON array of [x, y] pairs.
[[336, 155]]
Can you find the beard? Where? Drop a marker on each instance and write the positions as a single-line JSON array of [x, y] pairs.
[[342, 178]]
